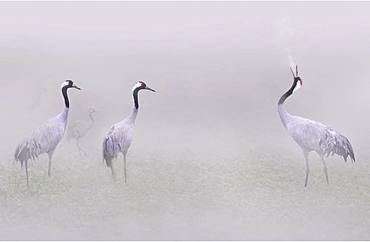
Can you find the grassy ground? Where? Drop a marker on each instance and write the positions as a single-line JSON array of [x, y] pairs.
[[180, 195]]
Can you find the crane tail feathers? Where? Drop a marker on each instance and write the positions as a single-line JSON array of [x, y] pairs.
[[29, 149], [108, 153], [334, 143]]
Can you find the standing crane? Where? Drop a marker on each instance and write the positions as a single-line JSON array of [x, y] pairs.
[[46, 138], [80, 128], [119, 137], [311, 135]]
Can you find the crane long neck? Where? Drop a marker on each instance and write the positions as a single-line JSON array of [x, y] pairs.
[[92, 120], [284, 115], [133, 115], [64, 114], [91, 117], [65, 96], [135, 94], [287, 94]]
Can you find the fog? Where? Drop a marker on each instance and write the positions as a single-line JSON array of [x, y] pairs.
[[210, 158]]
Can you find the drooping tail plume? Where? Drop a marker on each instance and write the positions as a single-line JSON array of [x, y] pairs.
[[334, 143]]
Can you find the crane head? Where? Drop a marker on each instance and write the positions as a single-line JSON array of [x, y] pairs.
[[93, 110], [70, 84], [140, 85], [298, 82]]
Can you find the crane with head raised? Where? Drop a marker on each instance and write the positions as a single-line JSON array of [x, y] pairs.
[[311, 135]]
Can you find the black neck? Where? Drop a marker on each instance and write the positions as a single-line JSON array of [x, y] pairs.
[[136, 98], [287, 94], [65, 95]]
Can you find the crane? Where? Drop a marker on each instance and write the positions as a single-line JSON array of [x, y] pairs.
[[311, 135], [119, 137], [80, 128], [45, 138]]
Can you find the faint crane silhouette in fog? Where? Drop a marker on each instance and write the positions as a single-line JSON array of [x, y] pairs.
[[119, 137], [311, 135], [46, 138], [80, 128]]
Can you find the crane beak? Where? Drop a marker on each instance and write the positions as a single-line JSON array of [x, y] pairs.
[[147, 88], [74, 86]]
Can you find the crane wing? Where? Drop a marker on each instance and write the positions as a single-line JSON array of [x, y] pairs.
[[315, 136], [42, 140], [28, 149], [117, 140]]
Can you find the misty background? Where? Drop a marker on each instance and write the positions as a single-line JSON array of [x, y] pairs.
[[210, 158]]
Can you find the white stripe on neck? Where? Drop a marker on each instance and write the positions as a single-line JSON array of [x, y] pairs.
[[137, 85], [297, 86], [65, 83]]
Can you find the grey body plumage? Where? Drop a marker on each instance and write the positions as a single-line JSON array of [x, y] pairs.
[[45, 138], [119, 136], [313, 136]]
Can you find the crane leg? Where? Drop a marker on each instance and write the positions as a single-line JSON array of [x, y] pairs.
[[124, 167], [307, 167], [50, 154], [26, 165], [113, 172], [325, 170]]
